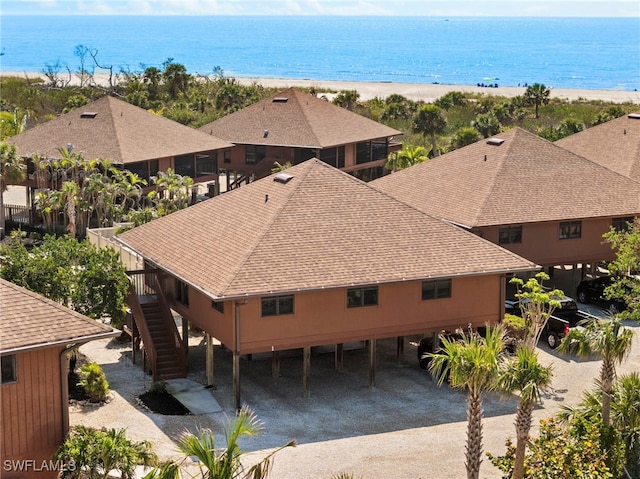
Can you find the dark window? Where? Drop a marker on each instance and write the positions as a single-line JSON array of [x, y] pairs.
[[303, 154], [368, 174], [206, 164], [154, 167], [9, 372], [622, 224], [363, 152], [184, 165], [140, 168], [570, 229], [182, 292], [254, 153], [333, 156], [510, 235], [436, 289], [227, 156], [276, 305], [218, 306], [379, 150], [357, 297]]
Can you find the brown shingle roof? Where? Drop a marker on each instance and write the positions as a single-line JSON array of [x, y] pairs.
[[118, 131], [321, 229], [524, 179], [296, 119], [614, 145], [28, 321]]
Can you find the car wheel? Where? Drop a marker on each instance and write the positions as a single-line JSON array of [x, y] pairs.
[[613, 309], [553, 340], [582, 297]]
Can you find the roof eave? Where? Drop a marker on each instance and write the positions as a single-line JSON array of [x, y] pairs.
[[62, 342]]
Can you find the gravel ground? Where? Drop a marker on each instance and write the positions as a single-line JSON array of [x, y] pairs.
[[405, 427]]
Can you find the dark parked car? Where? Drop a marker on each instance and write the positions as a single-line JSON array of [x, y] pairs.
[[592, 291], [557, 326]]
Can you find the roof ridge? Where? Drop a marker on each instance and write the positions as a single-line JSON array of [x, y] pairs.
[[310, 124], [116, 131], [265, 229], [496, 172]]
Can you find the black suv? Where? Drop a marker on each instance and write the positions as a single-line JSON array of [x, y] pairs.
[[592, 290]]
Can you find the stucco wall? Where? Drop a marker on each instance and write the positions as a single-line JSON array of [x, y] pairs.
[[323, 317], [541, 243]]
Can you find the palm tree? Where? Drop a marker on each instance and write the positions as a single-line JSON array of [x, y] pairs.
[[537, 94], [408, 156], [70, 191], [466, 135], [525, 374], [471, 364], [221, 463], [12, 170], [430, 121], [607, 338]]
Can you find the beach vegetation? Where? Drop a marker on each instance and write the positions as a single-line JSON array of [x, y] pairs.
[[430, 121], [466, 135], [537, 95], [12, 171], [408, 156]]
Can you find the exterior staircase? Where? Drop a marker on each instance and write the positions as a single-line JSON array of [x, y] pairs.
[[163, 346]]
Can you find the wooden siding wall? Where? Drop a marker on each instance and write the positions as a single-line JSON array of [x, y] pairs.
[[32, 426]]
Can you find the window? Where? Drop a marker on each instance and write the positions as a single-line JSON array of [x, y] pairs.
[[182, 292], [227, 156], [9, 372], [357, 297], [254, 153], [436, 289], [277, 305], [184, 165], [510, 235], [333, 156], [570, 229], [206, 164], [140, 168], [368, 151], [218, 306], [622, 224], [154, 167], [363, 152], [303, 154]]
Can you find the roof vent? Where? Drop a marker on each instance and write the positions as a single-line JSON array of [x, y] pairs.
[[495, 141], [280, 99], [88, 114], [634, 116], [283, 178]]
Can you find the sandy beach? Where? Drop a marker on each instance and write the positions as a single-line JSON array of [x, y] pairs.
[[427, 92]]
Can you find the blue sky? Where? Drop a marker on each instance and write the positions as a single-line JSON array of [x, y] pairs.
[[558, 8]]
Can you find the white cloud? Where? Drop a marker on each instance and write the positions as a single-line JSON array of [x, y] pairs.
[[326, 7]]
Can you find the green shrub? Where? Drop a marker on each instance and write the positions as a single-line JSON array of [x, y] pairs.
[[514, 326], [94, 382]]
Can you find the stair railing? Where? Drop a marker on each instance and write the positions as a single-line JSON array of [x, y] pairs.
[[170, 323], [138, 317]]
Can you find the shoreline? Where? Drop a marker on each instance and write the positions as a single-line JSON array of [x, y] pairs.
[[427, 92]]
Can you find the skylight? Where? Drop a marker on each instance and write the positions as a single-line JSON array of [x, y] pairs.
[[88, 114], [283, 178], [280, 99], [634, 116], [495, 141]]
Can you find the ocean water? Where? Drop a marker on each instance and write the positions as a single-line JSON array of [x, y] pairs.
[[581, 53]]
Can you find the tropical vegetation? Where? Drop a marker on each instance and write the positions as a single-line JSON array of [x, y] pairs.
[[76, 274], [217, 462], [96, 453]]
